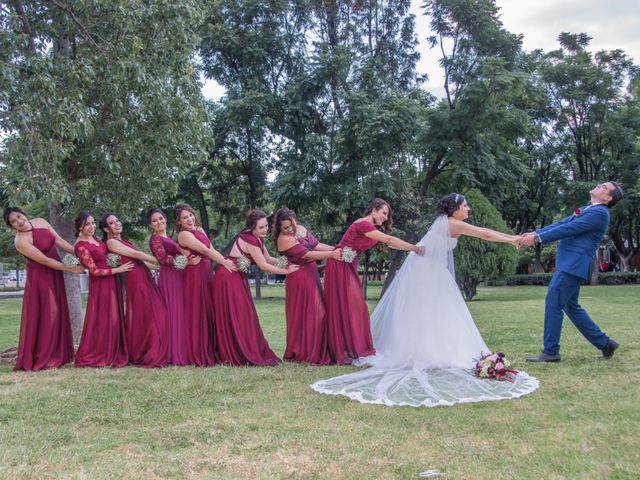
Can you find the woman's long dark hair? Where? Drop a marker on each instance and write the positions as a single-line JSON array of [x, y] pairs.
[[252, 218], [377, 204], [8, 211], [80, 220], [103, 224], [281, 215], [178, 211]]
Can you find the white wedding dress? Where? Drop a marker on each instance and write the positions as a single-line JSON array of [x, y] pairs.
[[425, 339]]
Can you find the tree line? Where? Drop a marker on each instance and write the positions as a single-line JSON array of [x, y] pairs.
[[101, 108]]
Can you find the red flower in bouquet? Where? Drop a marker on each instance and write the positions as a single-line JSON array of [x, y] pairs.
[[494, 366]]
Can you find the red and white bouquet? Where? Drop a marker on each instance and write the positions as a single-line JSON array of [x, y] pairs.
[[494, 366]]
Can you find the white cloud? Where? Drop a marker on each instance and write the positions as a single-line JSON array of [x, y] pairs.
[[614, 24]]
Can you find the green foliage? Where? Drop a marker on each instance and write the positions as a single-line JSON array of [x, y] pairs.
[[479, 260], [609, 278], [101, 99]]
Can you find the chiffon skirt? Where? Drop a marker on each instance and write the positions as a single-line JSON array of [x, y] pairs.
[[306, 317], [46, 340], [240, 340], [103, 335], [171, 284], [349, 333]]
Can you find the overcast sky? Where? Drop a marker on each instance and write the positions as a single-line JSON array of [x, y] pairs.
[[612, 24]]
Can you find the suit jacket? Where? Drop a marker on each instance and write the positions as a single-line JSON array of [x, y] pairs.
[[579, 237]]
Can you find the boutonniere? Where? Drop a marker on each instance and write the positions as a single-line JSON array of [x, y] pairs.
[[577, 211]]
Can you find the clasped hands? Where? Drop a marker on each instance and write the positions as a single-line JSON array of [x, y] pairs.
[[524, 240]]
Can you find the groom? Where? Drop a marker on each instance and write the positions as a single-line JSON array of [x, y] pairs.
[[579, 235]]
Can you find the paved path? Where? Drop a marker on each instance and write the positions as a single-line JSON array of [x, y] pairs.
[[17, 294]]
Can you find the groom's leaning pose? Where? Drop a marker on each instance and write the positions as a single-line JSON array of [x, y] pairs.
[[579, 235]]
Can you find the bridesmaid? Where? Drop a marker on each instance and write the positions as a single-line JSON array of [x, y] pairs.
[[171, 283], [146, 314], [103, 336], [45, 330], [198, 281], [304, 306], [349, 332], [240, 338]]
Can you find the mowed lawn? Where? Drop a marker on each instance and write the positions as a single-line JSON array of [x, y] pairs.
[[224, 422]]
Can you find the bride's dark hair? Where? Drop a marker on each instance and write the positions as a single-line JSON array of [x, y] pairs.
[[449, 204]]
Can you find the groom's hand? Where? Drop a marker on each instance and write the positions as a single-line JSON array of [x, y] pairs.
[[528, 239]]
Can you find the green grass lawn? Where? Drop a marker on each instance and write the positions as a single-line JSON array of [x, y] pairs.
[[224, 422]]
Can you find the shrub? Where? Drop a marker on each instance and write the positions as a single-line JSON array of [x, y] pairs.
[[611, 278], [478, 260]]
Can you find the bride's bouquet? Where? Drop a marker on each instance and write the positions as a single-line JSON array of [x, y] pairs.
[[494, 366]]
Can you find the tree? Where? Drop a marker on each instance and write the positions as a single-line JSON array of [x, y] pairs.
[[101, 105], [597, 122], [470, 134], [478, 260]]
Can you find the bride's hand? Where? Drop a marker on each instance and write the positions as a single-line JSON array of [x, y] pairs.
[[419, 249]]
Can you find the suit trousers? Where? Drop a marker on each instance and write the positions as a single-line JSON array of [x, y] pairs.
[[562, 297]]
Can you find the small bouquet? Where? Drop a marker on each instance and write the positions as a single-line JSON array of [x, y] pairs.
[[348, 254], [113, 260], [180, 262], [282, 261], [243, 264], [494, 366], [71, 260]]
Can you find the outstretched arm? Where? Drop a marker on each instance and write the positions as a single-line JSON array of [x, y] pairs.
[[121, 249], [189, 240], [394, 242], [32, 253], [458, 227], [593, 219], [263, 264]]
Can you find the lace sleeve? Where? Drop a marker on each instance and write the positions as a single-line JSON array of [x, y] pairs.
[[87, 260], [157, 248]]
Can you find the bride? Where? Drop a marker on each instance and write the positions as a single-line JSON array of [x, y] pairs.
[[425, 338]]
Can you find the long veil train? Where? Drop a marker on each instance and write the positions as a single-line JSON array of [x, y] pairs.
[[425, 339]]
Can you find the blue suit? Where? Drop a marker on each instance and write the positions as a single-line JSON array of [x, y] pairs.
[[579, 237]]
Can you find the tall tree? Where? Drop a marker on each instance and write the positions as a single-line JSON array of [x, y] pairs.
[[101, 105], [471, 133], [595, 122]]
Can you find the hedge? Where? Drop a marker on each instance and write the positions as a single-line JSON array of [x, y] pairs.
[[609, 278]]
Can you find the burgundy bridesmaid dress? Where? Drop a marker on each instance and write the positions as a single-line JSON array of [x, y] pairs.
[[304, 307], [349, 330], [146, 316], [171, 284], [103, 335], [240, 340], [198, 312], [45, 329]]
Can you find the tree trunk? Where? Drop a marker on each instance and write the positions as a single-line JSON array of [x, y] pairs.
[[625, 262], [202, 206], [257, 277], [65, 229], [537, 263], [595, 270], [394, 264]]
